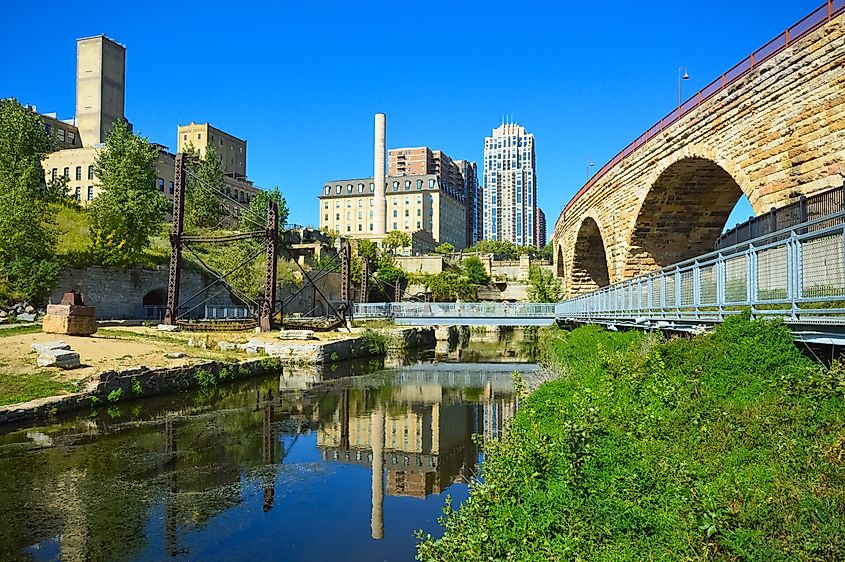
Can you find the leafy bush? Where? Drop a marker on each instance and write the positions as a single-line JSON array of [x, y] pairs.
[[475, 272], [374, 342], [728, 446]]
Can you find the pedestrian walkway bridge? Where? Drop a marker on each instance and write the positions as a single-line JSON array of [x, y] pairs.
[[459, 314]]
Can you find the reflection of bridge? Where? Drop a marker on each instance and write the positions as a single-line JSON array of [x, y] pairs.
[[460, 314], [769, 129]]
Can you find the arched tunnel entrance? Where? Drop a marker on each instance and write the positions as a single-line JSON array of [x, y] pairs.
[[154, 303], [589, 262], [682, 216], [561, 271]]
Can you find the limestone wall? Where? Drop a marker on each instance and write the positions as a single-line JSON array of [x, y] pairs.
[[118, 294], [774, 134]]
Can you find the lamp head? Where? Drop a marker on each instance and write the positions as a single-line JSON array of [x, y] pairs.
[[686, 76]]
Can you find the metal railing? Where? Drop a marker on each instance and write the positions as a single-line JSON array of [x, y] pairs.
[[226, 312], [818, 17], [445, 310], [796, 273], [805, 209]]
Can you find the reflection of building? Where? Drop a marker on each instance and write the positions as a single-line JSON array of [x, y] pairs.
[[427, 446]]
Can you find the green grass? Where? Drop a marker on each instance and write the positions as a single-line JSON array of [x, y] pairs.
[[22, 388], [729, 446], [19, 330]]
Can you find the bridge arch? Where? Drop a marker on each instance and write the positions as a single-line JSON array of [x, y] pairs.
[[684, 210], [589, 269], [560, 267]]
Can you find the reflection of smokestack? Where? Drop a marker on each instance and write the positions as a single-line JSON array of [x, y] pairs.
[[377, 515], [379, 156]]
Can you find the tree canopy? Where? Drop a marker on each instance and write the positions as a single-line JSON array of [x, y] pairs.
[[129, 209], [203, 208], [27, 228]]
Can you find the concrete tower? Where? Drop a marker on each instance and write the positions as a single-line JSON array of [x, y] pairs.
[[100, 87], [379, 157]]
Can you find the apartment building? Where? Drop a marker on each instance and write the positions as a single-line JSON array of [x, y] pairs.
[[510, 186], [419, 202], [473, 196], [540, 227]]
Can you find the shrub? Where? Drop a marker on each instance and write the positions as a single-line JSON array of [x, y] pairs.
[[374, 342]]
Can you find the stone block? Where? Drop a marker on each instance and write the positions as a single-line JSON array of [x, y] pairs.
[[46, 346], [26, 317], [61, 358], [167, 328], [174, 355], [70, 325], [227, 346], [71, 310], [297, 335]]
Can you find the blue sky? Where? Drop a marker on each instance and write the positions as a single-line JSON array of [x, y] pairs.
[[301, 81]]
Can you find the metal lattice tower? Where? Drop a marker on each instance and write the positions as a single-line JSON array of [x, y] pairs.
[[365, 280], [271, 252], [180, 173]]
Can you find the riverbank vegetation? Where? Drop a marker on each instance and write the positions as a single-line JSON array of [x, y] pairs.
[[728, 446]]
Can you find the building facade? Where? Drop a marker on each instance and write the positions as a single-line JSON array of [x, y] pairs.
[[510, 186], [474, 201], [100, 102], [540, 228], [414, 203]]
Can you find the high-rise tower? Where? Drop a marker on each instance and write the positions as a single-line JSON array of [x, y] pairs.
[[100, 87], [510, 186]]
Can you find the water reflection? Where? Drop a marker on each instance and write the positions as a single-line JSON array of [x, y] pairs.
[[260, 467]]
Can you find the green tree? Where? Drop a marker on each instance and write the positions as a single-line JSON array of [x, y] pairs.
[[203, 208], [543, 285], [502, 248], [445, 248], [255, 216], [27, 222], [475, 272], [547, 252], [394, 240], [368, 249], [129, 208]]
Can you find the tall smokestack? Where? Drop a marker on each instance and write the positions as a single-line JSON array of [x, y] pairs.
[[379, 157]]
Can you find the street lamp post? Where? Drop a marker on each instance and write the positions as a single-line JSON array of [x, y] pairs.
[[684, 77]]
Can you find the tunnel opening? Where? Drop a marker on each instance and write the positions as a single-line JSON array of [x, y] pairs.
[[683, 215], [589, 263]]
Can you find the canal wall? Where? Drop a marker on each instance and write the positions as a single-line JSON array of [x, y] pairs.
[[111, 386]]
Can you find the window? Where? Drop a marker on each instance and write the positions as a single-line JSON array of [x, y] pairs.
[[161, 184], [78, 194], [71, 137], [360, 215], [419, 184], [328, 189], [337, 216], [407, 185], [221, 142], [53, 173], [395, 201], [171, 188], [396, 186], [395, 213], [371, 227], [348, 216], [60, 133], [66, 173], [348, 228], [406, 212], [419, 199], [406, 225], [360, 227], [349, 204], [407, 200], [360, 188], [90, 192], [199, 135], [372, 202], [418, 224], [78, 173], [395, 225], [371, 214], [326, 205], [337, 204], [372, 187], [431, 183], [349, 188], [185, 136], [337, 189], [90, 172], [327, 217], [360, 203], [419, 212]]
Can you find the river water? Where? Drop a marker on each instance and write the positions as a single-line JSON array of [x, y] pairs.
[[338, 463]]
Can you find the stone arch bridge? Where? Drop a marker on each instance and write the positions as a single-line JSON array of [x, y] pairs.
[[772, 128]]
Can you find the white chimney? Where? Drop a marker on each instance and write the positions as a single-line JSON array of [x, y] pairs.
[[379, 157]]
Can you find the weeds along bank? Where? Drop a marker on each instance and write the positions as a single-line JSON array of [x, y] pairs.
[[729, 446]]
